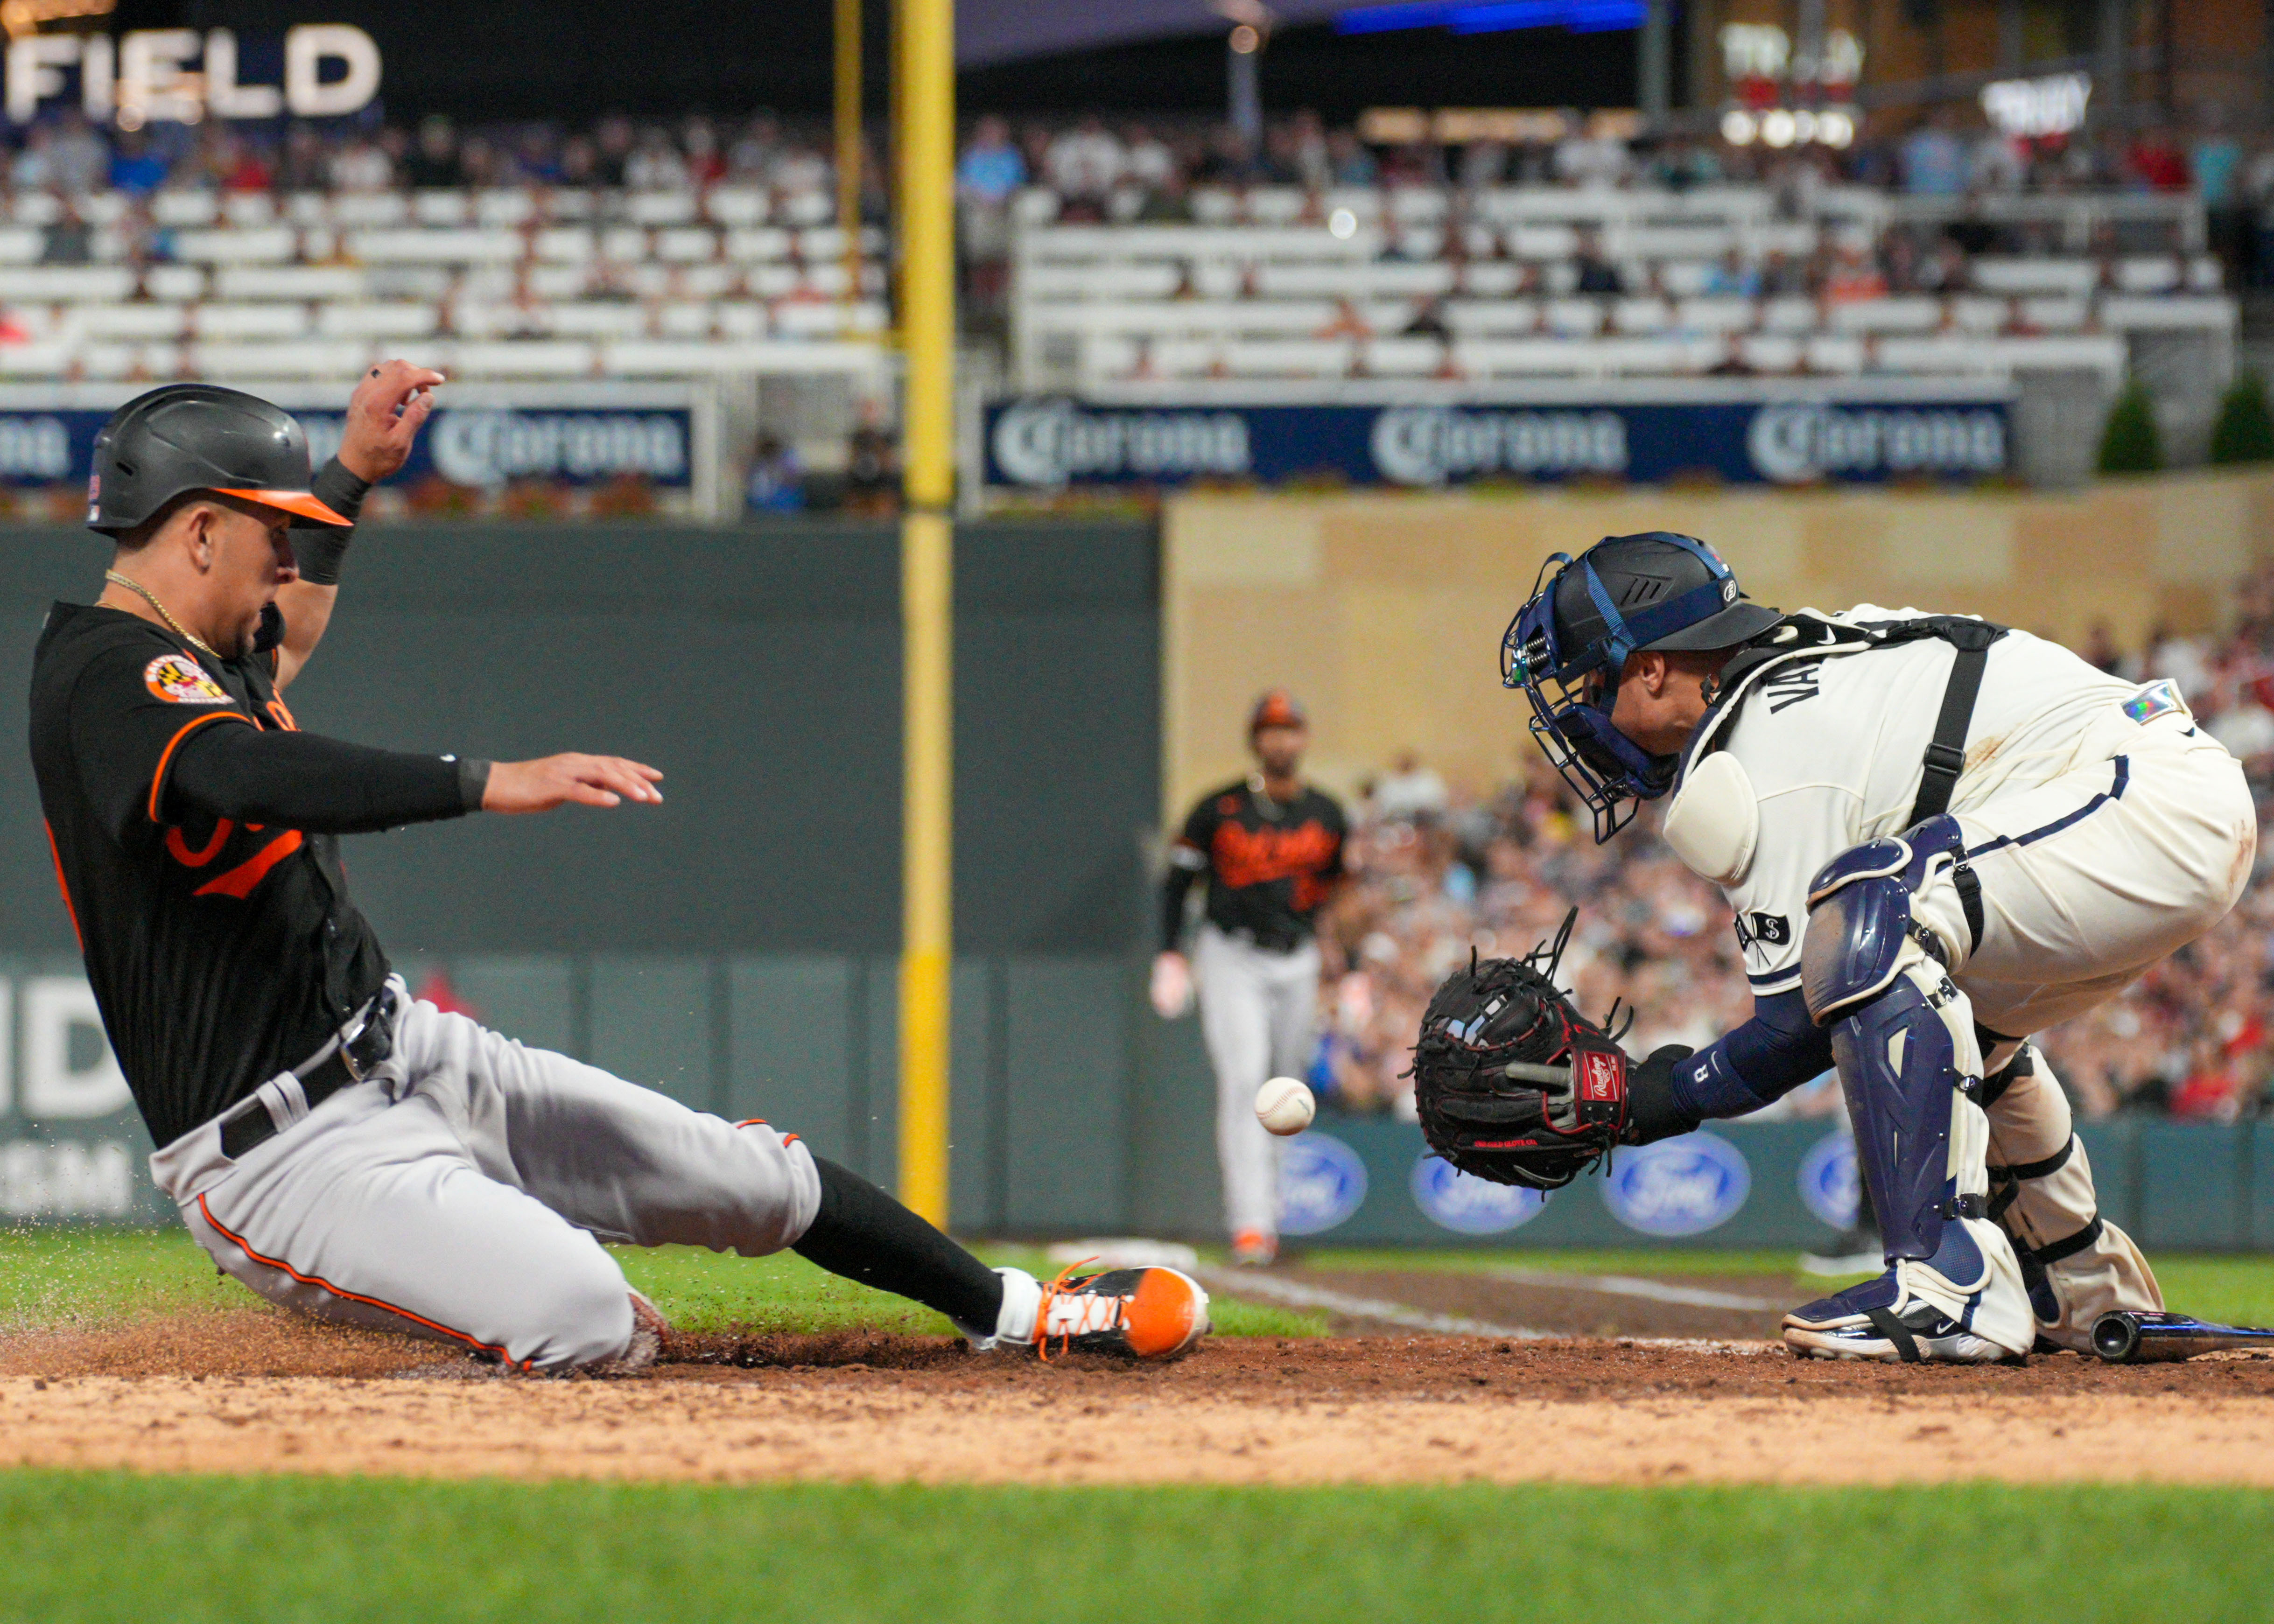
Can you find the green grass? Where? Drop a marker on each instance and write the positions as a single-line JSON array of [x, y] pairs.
[[109, 1547], [51, 1275]]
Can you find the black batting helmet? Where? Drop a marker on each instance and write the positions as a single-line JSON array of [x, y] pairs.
[[191, 437]]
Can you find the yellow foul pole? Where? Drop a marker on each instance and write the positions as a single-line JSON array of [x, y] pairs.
[[849, 140], [925, 103]]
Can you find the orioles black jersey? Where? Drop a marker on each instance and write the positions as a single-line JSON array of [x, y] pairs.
[[221, 953], [1269, 863]]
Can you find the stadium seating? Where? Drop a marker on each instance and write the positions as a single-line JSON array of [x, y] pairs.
[[1411, 282]]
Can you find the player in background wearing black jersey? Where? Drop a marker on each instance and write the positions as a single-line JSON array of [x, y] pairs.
[[1271, 847], [336, 1145]]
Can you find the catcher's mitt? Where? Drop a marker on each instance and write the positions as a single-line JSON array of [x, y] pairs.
[[1513, 1083]]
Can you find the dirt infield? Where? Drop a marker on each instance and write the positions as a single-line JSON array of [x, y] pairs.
[[257, 1391]]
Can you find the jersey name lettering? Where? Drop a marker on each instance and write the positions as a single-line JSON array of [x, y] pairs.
[[1788, 688]]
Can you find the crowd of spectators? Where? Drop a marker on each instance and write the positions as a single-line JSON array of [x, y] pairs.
[[1438, 874]]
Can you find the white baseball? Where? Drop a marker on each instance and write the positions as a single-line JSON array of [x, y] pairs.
[[1284, 1106]]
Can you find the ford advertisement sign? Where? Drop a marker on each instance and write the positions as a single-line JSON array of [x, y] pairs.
[[1051, 442]]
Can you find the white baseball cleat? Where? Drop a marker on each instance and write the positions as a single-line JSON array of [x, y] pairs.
[[1862, 1323]]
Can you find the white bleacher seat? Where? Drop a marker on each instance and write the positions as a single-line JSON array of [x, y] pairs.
[[1580, 317], [1491, 318], [134, 320], [1671, 242], [1276, 205], [558, 282], [529, 358], [684, 320], [1098, 282], [1770, 352], [319, 244], [564, 245], [1973, 313], [2054, 314], [2161, 274], [389, 319], [1906, 313], [505, 205], [825, 280], [426, 281], [265, 246], [1943, 353], [1796, 239], [2101, 352], [828, 242], [57, 283], [301, 358], [661, 208], [1183, 357], [1290, 357], [1790, 314], [624, 244], [771, 281], [826, 318], [1491, 278], [599, 318], [807, 208], [571, 203], [651, 357], [467, 245], [21, 244], [1105, 356], [1416, 204], [753, 245], [743, 319], [289, 282], [1835, 353], [1719, 314], [1641, 316], [435, 206], [710, 280], [1215, 280], [370, 210], [1655, 356], [250, 321], [181, 206], [682, 243], [2206, 274], [302, 208], [1412, 243], [2177, 312], [173, 281], [736, 206], [1402, 357], [1213, 205], [35, 208], [248, 210], [1559, 279], [44, 359], [1486, 358], [1036, 206], [1685, 279], [1383, 279], [139, 362], [2073, 277]]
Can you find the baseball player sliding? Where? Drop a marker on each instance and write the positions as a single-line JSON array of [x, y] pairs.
[[334, 1144], [1271, 847], [1940, 836]]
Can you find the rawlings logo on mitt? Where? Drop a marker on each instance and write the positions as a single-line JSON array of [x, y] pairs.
[[1513, 1083]]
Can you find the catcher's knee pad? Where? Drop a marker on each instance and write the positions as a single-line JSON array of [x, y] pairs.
[[1902, 1035]]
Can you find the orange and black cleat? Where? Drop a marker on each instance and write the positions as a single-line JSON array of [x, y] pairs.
[[1141, 1313]]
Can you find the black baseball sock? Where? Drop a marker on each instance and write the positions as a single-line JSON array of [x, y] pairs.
[[864, 1235]]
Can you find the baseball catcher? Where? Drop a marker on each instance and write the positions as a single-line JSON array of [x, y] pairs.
[[337, 1146], [1940, 836], [1511, 1082]]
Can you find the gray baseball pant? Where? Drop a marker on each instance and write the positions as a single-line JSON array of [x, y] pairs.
[[461, 1192], [1259, 1011]]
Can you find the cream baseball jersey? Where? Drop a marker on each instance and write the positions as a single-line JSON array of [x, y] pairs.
[[1833, 748]]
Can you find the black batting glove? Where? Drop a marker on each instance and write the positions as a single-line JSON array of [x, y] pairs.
[[1651, 1112]]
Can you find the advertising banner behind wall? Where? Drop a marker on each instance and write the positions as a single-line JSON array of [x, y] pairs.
[[480, 438], [1746, 433], [72, 1147]]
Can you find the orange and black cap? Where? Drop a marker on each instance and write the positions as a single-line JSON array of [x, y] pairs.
[[1277, 709], [191, 437]]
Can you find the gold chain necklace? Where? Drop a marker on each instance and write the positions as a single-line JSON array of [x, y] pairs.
[[151, 597]]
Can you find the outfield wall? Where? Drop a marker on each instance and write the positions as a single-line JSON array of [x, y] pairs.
[[1385, 612]]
